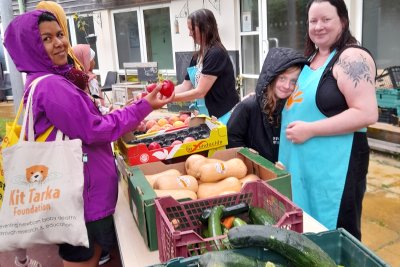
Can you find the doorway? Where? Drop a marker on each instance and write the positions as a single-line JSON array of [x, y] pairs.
[[265, 24]]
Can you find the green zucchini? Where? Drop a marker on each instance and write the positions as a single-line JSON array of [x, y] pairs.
[[205, 233], [260, 216], [297, 248], [227, 258], [238, 222], [214, 224], [227, 211]]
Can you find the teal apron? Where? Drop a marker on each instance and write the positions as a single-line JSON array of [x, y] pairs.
[[318, 166], [200, 104]]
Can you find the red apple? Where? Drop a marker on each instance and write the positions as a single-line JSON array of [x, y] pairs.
[[141, 95], [151, 87], [173, 119], [141, 127], [150, 123], [186, 122], [167, 88], [188, 139], [183, 117], [176, 142], [154, 145]]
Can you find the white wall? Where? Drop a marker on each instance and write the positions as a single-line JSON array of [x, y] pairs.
[[227, 23], [106, 51], [354, 8]]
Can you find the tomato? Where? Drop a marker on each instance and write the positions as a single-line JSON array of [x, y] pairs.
[[151, 87], [167, 88]]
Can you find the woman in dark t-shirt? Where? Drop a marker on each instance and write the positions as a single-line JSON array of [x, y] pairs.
[[210, 77]]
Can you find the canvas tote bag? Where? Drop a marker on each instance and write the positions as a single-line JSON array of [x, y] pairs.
[[43, 201], [13, 131]]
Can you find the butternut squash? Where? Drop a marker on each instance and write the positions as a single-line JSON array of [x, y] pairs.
[[227, 193], [181, 182], [231, 184], [192, 159], [212, 172], [177, 194], [249, 178], [171, 173], [195, 161]]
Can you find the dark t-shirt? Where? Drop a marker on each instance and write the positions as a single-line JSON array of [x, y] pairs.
[[222, 96]]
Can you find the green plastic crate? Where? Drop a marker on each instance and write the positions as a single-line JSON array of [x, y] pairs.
[[341, 246], [389, 98]]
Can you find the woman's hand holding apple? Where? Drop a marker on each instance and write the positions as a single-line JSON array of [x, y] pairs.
[[156, 99]]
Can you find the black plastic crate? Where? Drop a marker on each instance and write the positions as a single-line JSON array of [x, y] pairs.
[[388, 115], [389, 78]]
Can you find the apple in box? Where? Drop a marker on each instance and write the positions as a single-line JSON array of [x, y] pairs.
[[173, 119], [176, 142], [150, 123], [184, 117], [141, 127], [188, 139], [154, 145]]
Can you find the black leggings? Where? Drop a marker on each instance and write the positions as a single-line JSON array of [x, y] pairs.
[[356, 181]]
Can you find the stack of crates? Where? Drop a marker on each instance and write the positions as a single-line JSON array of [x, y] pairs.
[[388, 94]]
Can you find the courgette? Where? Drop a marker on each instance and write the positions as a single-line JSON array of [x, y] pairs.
[[260, 216], [214, 224], [205, 233], [227, 211], [228, 258], [297, 248], [238, 222]]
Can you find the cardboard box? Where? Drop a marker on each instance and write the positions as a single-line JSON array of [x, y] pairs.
[[142, 195], [140, 154]]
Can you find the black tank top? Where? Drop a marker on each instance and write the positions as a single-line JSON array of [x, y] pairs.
[[330, 101]]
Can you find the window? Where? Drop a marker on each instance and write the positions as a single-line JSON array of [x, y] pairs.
[[127, 37], [286, 23], [144, 37], [158, 37], [81, 35], [380, 19], [265, 24]]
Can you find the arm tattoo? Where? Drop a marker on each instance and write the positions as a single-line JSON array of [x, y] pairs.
[[357, 70]]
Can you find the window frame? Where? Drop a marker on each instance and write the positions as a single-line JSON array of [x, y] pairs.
[[142, 33]]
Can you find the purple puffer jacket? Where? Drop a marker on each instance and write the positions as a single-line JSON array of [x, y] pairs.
[[58, 102]]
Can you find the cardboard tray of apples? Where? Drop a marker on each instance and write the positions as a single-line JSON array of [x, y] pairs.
[[170, 137]]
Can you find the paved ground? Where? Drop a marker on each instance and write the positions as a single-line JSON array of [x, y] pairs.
[[381, 212]]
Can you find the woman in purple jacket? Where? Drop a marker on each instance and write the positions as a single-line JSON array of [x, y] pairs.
[[38, 47]]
